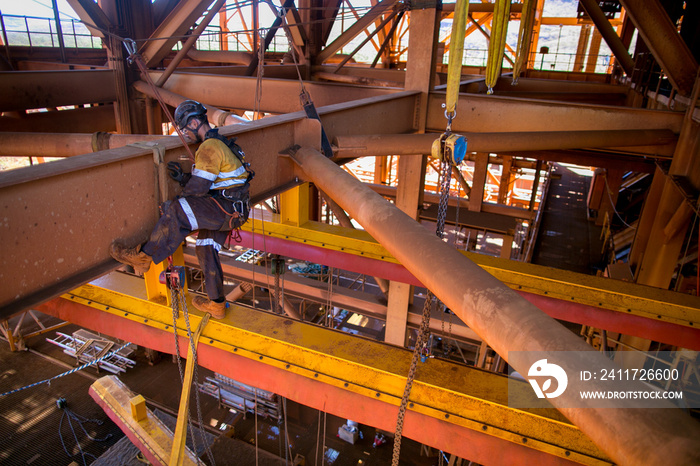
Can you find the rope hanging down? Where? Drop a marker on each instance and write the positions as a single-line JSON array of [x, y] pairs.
[[305, 98], [497, 43], [135, 57]]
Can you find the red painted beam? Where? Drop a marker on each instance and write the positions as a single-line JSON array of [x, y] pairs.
[[463, 442], [628, 324], [319, 255]]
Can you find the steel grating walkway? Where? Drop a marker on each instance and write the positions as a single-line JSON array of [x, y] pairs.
[[567, 239], [30, 419]]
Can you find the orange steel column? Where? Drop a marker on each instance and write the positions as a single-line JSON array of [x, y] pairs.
[[411, 173], [476, 196], [629, 433], [223, 25]]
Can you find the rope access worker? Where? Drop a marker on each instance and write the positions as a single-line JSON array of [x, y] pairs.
[[214, 201]]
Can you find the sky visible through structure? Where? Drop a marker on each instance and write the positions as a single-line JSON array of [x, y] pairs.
[[561, 40]]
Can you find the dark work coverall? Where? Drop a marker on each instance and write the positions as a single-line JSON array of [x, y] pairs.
[[217, 172]]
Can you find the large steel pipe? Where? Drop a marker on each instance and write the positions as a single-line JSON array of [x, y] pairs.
[[47, 89], [221, 56], [408, 144], [629, 432], [80, 120], [216, 116], [65, 144], [346, 222], [350, 79]]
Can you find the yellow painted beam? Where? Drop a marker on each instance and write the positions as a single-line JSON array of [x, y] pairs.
[[149, 432], [337, 238], [605, 293], [456, 394]]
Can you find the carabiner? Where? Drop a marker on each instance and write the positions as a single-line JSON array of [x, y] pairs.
[[130, 46]]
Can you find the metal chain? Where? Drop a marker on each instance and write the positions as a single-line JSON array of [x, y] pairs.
[[449, 329], [179, 302], [424, 330], [420, 344], [260, 74], [175, 300], [445, 179], [282, 311], [183, 305], [442, 323], [276, 294]]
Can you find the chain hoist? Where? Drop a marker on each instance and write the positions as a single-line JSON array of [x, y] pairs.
[[450, 149]]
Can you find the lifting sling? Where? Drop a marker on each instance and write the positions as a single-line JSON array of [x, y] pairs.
[[527, 21], [497, 44]]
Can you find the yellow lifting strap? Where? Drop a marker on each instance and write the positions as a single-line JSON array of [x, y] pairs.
[[497, 43], [527, 21], [454, 67], [177, 454]]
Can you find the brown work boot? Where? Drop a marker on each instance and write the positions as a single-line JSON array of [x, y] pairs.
[[134, 257], [217, 310]]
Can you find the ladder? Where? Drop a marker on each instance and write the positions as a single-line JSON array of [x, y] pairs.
[[251, 256], [236, 395], [86, 347]]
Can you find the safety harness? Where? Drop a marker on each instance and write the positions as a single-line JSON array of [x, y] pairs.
[[239, 195]]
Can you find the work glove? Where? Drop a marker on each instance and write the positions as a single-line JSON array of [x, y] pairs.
[[175, 172]]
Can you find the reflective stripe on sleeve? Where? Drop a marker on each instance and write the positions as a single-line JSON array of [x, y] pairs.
[[208, 242], [204, 174], [190, 215], [236, 173], [227, 184]]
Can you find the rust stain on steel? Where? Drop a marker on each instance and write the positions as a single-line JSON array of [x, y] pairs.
[[58, 219], [56, 227], [480, 114], [38, 89]]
